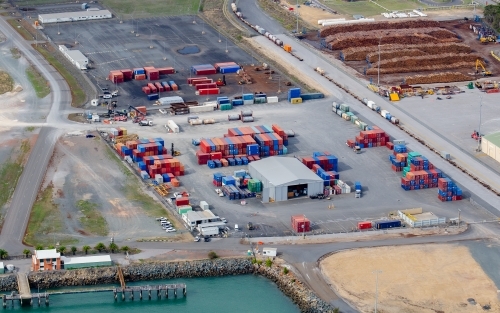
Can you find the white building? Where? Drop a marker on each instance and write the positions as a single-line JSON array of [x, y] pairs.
[[76, 58], [86, 261], [74, 16], [202, 219]]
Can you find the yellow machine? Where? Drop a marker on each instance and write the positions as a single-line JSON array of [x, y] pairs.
[[483, 69], [487, 39]]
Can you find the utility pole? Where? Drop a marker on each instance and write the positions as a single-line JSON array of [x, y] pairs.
[[479, 130], [459, 217], [376, 288]]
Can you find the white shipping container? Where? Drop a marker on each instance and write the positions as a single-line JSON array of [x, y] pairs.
[[171, 124], [201, 109], [370, 104], [204, 205], [208, 231], [272, 99], [384, 113], [330, 20], [170, 100], [159, 178]]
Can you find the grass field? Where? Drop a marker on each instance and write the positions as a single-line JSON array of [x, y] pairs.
[[38, 82], [77, 93], [92, 220], [11, 171], [20, 29], [150, 8], [368, 8]]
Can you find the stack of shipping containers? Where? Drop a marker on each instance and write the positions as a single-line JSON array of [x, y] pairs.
[[448, 190], [203, 69], [300, 224]]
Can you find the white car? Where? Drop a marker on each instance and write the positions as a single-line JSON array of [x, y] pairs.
[[223, 220], [196, 239], [171, 230], [160, 219]]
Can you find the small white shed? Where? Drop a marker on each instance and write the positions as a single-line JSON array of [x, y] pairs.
[[269, 251]]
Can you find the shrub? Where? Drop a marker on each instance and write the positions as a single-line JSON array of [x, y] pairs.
[[269, 262], [212, 255], [285, 270]]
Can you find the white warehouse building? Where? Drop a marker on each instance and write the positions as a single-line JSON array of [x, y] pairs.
[[74, 16], [76, 58], [284, 178]]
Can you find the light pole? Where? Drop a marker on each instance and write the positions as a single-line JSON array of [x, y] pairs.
[[479, 130], [376, 288], [304, 228], [297, 13], [459, 217], [378, 72]]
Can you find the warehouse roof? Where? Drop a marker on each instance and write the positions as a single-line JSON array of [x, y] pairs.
[[75, 55], [493, 138], [47, 254], [284, 171], [73, 14], [86, 259]]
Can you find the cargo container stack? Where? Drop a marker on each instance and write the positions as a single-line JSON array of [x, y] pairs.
[[224, 103], [294, 95], [139, 74], [127, 74], [159, 87], [152, 73], [236, 102], [116, 77], [448, 190], [300, 223], [217, 181], [166, 86], [203, 69], [248, 98], [271, 144], [375, 137], [260, 98], [173, 85], [254, 185]]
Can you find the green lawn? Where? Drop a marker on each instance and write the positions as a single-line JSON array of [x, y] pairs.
[[38, 82], [150, 8], [11, 171], [92, 220], [368, 8], [77, 93]]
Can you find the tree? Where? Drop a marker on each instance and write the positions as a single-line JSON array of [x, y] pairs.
[[100, 246], [74, 249], [86, 249], [39, 247], [26, 252], [113, 247], [269, 262], [212, 255], [51, 247], [3, 254], [125, 249], [62, 249]]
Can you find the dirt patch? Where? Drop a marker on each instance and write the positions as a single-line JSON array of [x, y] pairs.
[[6, 82], [181, 255], [311, 15], [423, 278]]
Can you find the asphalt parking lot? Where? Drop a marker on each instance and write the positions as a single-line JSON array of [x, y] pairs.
[[317, 129], [110, 45]]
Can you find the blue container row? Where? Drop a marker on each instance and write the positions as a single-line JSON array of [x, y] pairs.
[[235, 193], [417, 187], [400, 148], [228, 180], [218, 177], [229, 69], [153, 96], [312, 96], [247, 96], [294, 93], [223, 100], [455, 191], [387, 224], [139, 71], [144, 175], [236, 102]]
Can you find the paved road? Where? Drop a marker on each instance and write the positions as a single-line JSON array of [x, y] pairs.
[[16, 219]]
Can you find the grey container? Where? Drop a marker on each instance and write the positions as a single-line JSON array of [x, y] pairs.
[[246, 113], [247, 119], [398, 142], [248, 101], [192, 118], [233, 117], [339, 112], [445, 155], [394, 120], [290, 133]]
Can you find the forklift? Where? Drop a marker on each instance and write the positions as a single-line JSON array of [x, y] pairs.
[[476, 135], [221, 81]]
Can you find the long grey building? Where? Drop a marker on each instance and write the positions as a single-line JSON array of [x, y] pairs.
[[74, 16], [284, 178]]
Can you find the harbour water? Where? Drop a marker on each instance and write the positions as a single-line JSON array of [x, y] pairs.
[[242, 293]]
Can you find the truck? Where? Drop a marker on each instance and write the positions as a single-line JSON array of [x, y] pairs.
[[146, 123], [209, 231], [357, 187]]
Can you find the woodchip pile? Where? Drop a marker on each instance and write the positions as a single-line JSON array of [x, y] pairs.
[[393, 36], [423, 68], [428, 60], [427, 49], [345, 28], [437, 78]]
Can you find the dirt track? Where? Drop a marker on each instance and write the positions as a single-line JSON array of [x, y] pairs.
[[424, 278]]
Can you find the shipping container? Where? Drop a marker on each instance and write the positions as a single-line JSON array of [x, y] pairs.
[[387, 224], [209, 91], [154, 96], [173, 126], [364, 225]]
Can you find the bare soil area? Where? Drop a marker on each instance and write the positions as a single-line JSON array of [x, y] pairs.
[[81, 169], [421, 278]]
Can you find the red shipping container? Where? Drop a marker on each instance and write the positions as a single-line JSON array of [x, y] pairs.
[[209, 91], [159, 87], [152, 87], [364, 225], [190, 79], [182, 201], [146, 90], [206, 86], [215, 155], [166, 70], [195, 82], [127, 74], [295, 217], [174, 87], [140, 77], [206, 71], [302, 226]]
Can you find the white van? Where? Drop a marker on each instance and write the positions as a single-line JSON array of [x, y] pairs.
[[236, 227]]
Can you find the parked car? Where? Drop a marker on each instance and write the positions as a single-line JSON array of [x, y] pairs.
[[207, 239], [250, 226], [223, 220], [171, 230], [196, 239]]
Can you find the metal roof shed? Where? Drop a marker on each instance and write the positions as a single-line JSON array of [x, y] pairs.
[[279, 173], [490, 144], [87, 261]]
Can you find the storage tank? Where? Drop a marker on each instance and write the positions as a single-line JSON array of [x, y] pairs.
[[195, 122], [233, 117], [209, 121], [246, 113], [247, 119]]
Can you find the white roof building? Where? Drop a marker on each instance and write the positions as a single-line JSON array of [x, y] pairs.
[[74, 16], [76, 58], [47, 254], [86, 261]]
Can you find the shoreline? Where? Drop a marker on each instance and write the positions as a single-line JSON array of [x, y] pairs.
[[289, 284]]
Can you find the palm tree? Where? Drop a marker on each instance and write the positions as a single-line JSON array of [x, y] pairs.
[[125, 249], [86, 249], [62, 249], [51, 247], [100, 246], [3, 254], [26, 252], [74, 249], [39, 247], [113, 246]]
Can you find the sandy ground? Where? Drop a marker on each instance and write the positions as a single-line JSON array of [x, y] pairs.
[[311, 15], [423, 278]]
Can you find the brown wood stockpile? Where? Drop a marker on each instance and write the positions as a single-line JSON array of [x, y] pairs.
[[429, 68], [427, 60], [429, 49], [403, 36], [368, 26], [437, 78], [360, 53]]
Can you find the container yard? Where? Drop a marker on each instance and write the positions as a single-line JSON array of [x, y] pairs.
[[143, 65]]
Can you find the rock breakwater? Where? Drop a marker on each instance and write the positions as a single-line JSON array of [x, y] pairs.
[[8, 283]]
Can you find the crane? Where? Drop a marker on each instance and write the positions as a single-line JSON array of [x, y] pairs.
[[139, 116], [484, 71]]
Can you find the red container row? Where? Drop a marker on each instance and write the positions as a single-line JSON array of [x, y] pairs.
[[221, 145], [206, 86], [127, 74], [209, 91], [146, 90], [195, 82], [206, 72], [190, 79], [152, 87], [174, 87], [453, 198], [166, 70], [159, 87]]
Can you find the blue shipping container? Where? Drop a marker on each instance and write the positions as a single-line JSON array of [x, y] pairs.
[[312, 96], [153, 96], [387, 224]]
